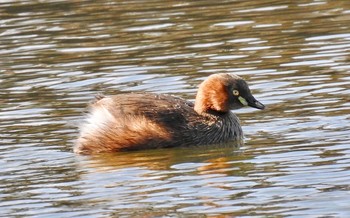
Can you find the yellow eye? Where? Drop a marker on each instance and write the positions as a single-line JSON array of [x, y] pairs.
[[235, 92]]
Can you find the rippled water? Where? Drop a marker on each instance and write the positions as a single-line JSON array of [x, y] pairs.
[[56, 55]]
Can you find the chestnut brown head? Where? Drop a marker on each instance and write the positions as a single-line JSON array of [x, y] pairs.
[[223, 92]]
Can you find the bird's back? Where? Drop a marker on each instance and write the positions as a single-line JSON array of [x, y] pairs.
[[144, 120]]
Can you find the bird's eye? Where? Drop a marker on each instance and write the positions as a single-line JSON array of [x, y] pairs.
[[235, 92]]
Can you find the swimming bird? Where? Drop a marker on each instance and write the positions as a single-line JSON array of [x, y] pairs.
[[136, 121]]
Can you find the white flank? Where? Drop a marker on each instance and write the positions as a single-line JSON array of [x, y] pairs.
[[97, 120]]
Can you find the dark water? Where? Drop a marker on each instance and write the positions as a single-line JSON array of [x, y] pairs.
[[56, 55]]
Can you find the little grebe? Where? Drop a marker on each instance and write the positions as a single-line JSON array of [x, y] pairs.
[[143, 120]]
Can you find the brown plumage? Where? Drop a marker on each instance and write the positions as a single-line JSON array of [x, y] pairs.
[[144, 120]]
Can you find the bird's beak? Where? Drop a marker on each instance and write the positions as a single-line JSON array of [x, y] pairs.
[[252, 102]]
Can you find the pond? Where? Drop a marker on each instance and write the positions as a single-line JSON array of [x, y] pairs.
[[57, 55]]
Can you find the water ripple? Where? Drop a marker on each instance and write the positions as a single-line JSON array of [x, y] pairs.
[[57, 55]]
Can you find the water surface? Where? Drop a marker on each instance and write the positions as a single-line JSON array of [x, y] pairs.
[[56, 55]]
